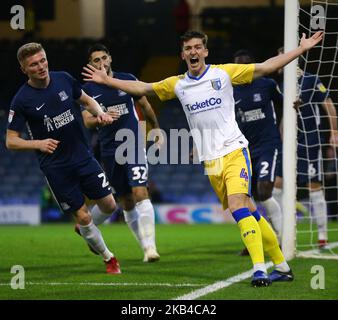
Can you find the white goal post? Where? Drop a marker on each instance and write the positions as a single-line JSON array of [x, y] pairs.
[[290, 132]]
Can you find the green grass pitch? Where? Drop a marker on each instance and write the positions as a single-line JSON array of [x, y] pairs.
[[58, 265]]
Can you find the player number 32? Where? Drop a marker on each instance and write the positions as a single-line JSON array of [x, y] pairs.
[[140, 173]]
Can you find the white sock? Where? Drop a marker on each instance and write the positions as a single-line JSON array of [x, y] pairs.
[[93, 237], [274, 213], [98, 216], [319, 207], [259, 267], [277, 193], [131, 218], [283, 267], [146, 220]]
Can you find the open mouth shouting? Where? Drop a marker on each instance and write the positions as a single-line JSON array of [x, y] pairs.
[[194, 62]]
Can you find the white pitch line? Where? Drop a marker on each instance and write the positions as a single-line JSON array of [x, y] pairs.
[[245, 275], [219, 285], [113, 284]]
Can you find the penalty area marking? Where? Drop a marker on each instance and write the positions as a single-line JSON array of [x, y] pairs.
[[219, 285]]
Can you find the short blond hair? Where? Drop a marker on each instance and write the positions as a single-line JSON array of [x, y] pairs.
[[27, 50]]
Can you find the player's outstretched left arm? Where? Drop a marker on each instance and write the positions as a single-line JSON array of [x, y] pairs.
[[273, 64]]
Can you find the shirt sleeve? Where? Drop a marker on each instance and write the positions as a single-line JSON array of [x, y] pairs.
[[16, 118], [238, 73], [76, 86], [165, 89], [276, 93]]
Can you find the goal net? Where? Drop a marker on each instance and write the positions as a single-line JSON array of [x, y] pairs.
[[310, 162]]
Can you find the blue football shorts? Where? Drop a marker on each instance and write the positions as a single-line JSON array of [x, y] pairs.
[[71, 184], [123, 177]]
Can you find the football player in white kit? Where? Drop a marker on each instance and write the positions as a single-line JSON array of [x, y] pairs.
[[206, 95]]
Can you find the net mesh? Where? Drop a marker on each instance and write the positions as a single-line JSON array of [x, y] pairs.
[[317, 144]]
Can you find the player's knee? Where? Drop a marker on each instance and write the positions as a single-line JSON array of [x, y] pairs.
[[128, 202], [264, 195], [107, 205], [82, 216], [140, 194], [237, 201], [278, 183], [264, 190]]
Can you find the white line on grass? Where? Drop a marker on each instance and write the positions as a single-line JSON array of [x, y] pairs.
[[113, 284], [245, 275], [218, 285]]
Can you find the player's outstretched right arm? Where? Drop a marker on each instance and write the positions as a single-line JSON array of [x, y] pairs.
[[15, 142], [136, 88], [273, 64]]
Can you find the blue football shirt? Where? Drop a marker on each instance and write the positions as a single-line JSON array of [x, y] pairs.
[[255, 113], [313, 93], [114, 99], [52, 112]]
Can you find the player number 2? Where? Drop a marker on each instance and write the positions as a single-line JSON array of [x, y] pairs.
[[265, 166], [139, 172], [105, 183]]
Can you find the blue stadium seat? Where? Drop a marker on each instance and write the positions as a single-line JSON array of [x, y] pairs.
[[209, 197], [188, 199]]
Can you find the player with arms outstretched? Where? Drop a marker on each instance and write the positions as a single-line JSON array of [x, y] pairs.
[[206, 95]]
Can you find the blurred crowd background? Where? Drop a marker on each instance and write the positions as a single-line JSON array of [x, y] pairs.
[[143, 37]]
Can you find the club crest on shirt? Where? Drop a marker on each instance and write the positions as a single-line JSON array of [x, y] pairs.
[[216, 83], [257, 97], [63, 96]]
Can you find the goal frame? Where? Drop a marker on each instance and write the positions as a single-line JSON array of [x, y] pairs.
[[291, 39]]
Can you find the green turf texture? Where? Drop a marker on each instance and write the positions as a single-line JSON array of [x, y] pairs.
[[198, 255]]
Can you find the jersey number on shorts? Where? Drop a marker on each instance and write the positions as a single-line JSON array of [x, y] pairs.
[[140, 173], [105, 183], [312, 170], [264, 171]]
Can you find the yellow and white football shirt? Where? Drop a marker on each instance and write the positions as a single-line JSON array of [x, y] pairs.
[[209, 106]]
